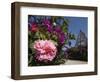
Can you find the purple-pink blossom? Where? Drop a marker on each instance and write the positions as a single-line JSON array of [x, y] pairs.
[[45, 50], [60, 34], [48, 24]]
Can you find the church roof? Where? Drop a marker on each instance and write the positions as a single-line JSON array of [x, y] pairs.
[[81, 39]]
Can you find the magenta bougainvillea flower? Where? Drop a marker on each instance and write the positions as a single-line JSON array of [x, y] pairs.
[[57, 30], [60, 34], [48, 24], [45, 50]]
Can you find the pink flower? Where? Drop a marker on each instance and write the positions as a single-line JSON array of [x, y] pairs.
[[34, 27], [45, 50]]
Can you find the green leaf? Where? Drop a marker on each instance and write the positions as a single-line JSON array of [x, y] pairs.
[[42, 35], [54, 37], [30, 60], [72, 36], [29, 33]]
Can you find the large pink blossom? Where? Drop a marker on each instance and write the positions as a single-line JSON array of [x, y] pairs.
[[45, 50]]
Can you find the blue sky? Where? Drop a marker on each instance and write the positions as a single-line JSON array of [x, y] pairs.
[[76, 24]]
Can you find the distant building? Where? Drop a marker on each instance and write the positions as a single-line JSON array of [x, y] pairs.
[[81, 39]]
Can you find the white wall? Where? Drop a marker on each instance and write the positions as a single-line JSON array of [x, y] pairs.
[[5, 38]]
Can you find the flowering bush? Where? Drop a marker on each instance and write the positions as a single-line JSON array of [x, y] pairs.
[[45, 50], [47, 35]]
